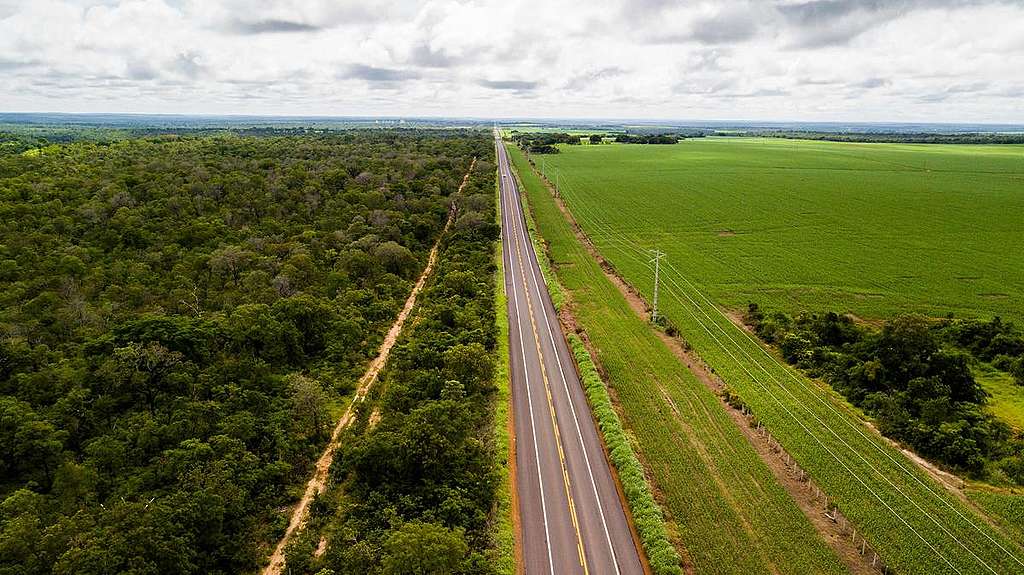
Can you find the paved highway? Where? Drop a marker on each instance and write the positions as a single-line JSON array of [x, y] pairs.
[[571, 517]]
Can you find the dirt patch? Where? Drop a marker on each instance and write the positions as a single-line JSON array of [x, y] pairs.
[[318, 482], [726, 233], [375, 418]]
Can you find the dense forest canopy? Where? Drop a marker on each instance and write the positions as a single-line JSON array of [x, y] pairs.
[[178, 316]]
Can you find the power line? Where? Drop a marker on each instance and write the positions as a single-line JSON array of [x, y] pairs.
[[656, 260]]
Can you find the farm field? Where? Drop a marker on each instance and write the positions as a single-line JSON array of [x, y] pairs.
[[693, 199], [718, 495], [870, 229]]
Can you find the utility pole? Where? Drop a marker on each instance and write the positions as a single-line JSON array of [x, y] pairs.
[[658, 254]]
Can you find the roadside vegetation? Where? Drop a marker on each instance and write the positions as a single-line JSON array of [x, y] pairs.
[[758, 219], [181, 318], [717, 495]]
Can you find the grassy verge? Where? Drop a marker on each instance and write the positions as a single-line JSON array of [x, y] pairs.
[[555, 289], [504, 550], [723, 507]]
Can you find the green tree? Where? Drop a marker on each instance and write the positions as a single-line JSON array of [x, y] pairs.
[[424, 549]]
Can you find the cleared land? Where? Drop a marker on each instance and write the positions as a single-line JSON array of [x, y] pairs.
[[758, 219], [718, 494]]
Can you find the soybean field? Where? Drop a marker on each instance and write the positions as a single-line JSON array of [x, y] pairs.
[[872, 230]]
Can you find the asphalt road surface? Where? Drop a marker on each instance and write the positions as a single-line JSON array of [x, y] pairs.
[[571, 517]]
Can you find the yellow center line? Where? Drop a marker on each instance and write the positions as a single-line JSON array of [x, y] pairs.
[[551, 405]]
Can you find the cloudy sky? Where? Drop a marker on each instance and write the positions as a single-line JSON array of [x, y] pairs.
[[844, 60]]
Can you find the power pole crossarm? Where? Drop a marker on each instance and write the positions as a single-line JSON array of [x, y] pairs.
[[658, 254]]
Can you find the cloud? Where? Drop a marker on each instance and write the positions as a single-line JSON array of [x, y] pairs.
[[423, 55], [588, 79], [517, 85], [752, 59], [378, 75], [872, 83], [188, 64], [726, 27], [270, 26], [140, 70]]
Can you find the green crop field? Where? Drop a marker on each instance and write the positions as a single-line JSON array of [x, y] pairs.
[[746, 220], [720, 497], [871, 229]]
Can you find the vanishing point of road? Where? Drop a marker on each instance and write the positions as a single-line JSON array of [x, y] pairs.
[[570, 513]]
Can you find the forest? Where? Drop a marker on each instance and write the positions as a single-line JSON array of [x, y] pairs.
[[914, 377], [181, 318], [413, 484]]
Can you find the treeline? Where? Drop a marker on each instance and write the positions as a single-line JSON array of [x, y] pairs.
[[177, 318], [914, 377], [546, 142], [417, 474], [883, 137], [648, 139]]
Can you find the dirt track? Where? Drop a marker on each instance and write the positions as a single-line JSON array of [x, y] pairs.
[[318, 482]]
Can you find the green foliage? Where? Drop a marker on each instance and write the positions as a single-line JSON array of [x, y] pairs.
[[919, 393], [423, 549], [176, 315], [802, 225], [1005, 507]]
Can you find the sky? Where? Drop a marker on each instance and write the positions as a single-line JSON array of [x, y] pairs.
[[817, 60]]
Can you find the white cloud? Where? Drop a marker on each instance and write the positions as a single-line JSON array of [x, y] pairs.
[[904, 60]]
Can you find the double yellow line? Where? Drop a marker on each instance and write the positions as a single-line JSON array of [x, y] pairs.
[[547, 392]]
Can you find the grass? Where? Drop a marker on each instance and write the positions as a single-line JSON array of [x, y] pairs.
[[846, 210], [723, 505], [503, 552], [1006, 399], [872, 229]]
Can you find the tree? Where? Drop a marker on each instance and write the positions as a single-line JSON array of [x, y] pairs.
[[424, 549], [395, 258], [596, 138], [29, 445], [143, 372], [309, 403]]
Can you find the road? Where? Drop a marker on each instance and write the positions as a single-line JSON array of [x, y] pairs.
[[571, 517]]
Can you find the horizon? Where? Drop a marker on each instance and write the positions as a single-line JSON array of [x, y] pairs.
[[104, 118]]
